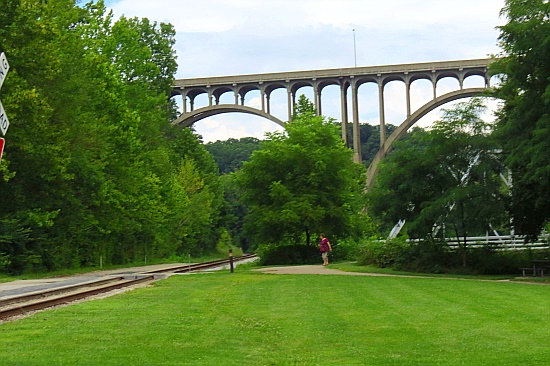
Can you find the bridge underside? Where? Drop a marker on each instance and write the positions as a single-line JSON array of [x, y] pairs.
[[410, 121], [349, 81], [188, 119]]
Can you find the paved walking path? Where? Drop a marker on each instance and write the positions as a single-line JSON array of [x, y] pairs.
[[320, 270], [314, 269]]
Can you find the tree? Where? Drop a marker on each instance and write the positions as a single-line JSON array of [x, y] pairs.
[[300, 182], [93, 167], [231, 154], [370, 140], [447, 178], [523, 127], [234, 211]]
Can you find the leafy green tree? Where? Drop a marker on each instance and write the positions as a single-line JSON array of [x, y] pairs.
[[523, 127], [234, 211], [446, 178], [301, 182], [36, 40], [370, 140], [303, 108], [92, 165]]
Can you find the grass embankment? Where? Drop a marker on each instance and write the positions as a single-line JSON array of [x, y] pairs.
[[249, 318]]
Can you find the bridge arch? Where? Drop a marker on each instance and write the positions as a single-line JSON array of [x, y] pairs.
[[347, 78], [410, 121], [188, 119]]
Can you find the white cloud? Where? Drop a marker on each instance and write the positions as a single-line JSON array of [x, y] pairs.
[[281, 15], [236, 125], [228, 37]]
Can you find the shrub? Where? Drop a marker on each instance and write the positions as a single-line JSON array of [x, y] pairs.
[[432, 256], [347, 249], [429, 256], [288, 254], [382, 253], [225, 243], [489, 260]]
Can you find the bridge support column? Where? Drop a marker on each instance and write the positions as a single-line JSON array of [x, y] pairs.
[[408, 96], [184, 101], [289, 105], [317, 98], [262, 95], [382, 113], [356, 127], [434, 84], [344, 110]]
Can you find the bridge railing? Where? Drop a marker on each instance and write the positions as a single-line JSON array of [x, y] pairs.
[[503, 242]]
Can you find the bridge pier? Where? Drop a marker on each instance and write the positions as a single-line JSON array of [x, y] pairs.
[[356, 127], [290, 104], [344, 111], [382, 113]]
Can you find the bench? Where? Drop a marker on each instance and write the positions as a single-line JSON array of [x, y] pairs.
[[536, 271], [537, 268]]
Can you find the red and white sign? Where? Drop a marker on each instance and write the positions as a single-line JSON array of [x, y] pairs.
[[4, 67], [4, 123], [1, 147]]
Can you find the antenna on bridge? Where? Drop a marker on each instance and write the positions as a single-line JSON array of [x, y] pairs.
[[354, 49]]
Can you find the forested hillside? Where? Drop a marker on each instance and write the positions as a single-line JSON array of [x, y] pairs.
[[232, 153], [91, 166]]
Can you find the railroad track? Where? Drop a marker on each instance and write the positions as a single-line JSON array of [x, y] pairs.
[[202, 266], [22, 304]]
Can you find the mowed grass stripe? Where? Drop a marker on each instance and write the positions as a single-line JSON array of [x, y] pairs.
[[249, 318]]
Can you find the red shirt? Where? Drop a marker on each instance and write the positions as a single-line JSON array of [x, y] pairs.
[[323, 245]]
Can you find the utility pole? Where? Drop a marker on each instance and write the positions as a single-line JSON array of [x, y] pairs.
[[354, 49]]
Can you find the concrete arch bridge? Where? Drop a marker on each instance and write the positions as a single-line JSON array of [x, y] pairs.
[[346, 78]]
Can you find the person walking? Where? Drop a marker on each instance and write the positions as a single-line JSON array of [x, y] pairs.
[[324, 248]]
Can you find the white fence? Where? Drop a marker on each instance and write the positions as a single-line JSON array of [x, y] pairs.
[[503, 242]]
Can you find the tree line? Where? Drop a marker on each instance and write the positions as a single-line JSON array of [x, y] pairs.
[[92, 168]]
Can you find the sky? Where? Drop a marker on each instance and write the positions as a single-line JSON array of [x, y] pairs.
[[233, 37]]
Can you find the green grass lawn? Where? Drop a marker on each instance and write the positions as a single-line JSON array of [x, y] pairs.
[[249, 318]]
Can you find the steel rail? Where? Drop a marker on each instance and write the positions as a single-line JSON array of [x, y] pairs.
[[19, 309], [56, 291], [199, 266]]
